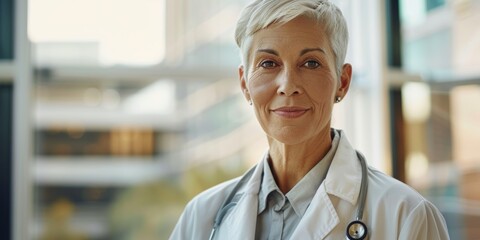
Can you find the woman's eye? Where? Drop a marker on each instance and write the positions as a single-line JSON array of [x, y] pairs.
[[311, 64], [268, 64]]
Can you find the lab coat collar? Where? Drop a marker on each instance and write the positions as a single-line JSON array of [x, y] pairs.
[[343, 180], [345, 174], [241, 221]]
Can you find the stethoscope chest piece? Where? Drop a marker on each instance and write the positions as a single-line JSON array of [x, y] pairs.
[[356, 230]]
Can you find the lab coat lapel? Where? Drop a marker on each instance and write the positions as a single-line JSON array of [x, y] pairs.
[[343, 181], [319, 219], [241, 222], [344, 177]]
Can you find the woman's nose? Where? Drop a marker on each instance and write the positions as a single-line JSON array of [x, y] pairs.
[[289, 84]]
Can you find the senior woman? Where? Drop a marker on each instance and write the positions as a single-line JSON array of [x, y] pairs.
[[311, 183]]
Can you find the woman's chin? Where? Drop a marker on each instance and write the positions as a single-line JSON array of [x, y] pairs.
[[287, 138]]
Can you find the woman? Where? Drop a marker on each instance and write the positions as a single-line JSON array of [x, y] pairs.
[[309, 184]]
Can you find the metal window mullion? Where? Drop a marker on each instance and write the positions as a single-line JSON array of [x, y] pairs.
[[22, 127]]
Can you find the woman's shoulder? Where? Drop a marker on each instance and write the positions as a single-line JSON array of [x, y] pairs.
[[390, 192], [399, 209], [389, 188], [199, 214], [214, 195]]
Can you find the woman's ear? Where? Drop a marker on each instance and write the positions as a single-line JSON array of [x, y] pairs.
[[345, 79], [243, 83]]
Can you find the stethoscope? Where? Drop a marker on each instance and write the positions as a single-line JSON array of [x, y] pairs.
[[356, 229]]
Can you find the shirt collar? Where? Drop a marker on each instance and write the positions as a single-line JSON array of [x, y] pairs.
[[302, 193], [267, 186]]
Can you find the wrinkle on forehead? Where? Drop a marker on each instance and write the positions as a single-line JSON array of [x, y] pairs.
[[314, 35]]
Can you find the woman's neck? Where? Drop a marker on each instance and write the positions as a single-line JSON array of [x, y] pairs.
[[290, 163]]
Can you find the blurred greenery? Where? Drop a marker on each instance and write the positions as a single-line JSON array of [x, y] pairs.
[[150, 211], [57, 222]]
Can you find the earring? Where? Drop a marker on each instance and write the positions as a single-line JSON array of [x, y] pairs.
[[338, 99], [250, 102]]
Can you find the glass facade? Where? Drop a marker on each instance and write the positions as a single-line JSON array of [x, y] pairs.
[[6, 115], [118, 157], [6, 29], [439, 42]]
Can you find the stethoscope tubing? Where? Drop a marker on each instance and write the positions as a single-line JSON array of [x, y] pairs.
[[363, 187], [351, 232]]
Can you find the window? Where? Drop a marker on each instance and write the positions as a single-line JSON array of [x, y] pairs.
[[439, 45]]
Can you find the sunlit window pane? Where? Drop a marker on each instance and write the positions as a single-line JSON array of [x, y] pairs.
[[105, 32]]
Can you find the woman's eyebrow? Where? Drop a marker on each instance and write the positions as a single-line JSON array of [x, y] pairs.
[[304, 51], [307, 50], [270, 51]]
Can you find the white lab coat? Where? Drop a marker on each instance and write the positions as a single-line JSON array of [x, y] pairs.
[[393, 210]]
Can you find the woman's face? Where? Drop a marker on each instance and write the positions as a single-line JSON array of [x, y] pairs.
[[292, 80]]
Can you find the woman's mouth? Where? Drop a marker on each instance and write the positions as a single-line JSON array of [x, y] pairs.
[[290, 112]]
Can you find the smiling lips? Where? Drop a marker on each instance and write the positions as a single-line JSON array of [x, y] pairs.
[[290, 112]]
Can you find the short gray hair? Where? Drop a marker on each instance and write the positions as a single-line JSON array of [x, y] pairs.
[[262, 13]]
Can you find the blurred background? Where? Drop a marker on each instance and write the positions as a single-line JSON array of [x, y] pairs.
[[115, 113]]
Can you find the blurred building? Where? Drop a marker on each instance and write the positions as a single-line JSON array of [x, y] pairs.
[[440, 117], [122, 111]]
